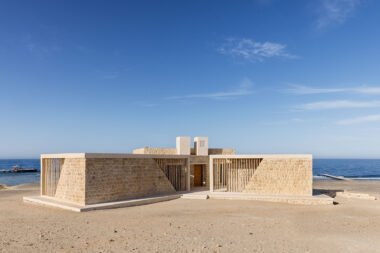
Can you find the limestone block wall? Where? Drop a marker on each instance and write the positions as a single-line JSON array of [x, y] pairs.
[[207, 175], [140, 151], [183, 145], [111, 179], [191, 176], [221, 151], [199, 159], [72, 180], [156, 151], [173, 151], [282, 176], [201, 145]]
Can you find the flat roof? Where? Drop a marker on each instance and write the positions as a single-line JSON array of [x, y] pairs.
[[110, 155], [124, 155], [268, 156]]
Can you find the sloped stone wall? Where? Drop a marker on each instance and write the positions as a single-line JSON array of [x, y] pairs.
[[71, 184], [282, 176], [111, 179]]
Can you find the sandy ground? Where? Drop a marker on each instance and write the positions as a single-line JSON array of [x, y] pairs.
[[185, 225]]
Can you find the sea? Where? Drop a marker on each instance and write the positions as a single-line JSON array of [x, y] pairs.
[[19, 178], [356, 169]]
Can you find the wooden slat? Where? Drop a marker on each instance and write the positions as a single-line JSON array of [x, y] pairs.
[[234, 174]]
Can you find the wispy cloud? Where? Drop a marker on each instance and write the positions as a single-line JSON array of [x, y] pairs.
[[337, 104], [369, 118], [335, 12], [243, 89], [309, 90], [367, 90], [252, 50]]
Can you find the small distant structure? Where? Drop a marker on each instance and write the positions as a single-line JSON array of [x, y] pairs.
[[18, 169], [95, 178]]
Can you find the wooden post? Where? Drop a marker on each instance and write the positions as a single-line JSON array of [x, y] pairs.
[[188, 174], [42, 177], [211, 167]]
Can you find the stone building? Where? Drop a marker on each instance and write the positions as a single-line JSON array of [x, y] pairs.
[[89, 178]]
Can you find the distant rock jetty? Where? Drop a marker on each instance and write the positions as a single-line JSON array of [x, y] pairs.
[[19, 169]]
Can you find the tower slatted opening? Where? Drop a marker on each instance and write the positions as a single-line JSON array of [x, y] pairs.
[[51, 170], [233, 175]]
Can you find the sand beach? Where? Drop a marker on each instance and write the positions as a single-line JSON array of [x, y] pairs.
[[184, 225]]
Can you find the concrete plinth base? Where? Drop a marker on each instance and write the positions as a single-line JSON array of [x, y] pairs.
[[302, 200], [51, 202]]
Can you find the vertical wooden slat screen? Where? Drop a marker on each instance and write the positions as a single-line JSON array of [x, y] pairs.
[[172, 168], [50, 175], [233, 174], [43, 175]]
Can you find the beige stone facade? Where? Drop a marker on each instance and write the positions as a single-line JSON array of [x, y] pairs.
[[110, 179], [88, 178], [173, 151], [96, 178], [282, 176], [72, 181], [263, 174], [155, 151], [221, 151]]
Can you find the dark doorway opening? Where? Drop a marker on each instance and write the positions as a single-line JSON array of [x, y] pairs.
[[198, 175]]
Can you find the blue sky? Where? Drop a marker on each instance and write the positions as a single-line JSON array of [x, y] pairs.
[[260, 76]]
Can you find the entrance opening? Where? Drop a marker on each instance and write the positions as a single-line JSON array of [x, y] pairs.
[[198, 175]]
